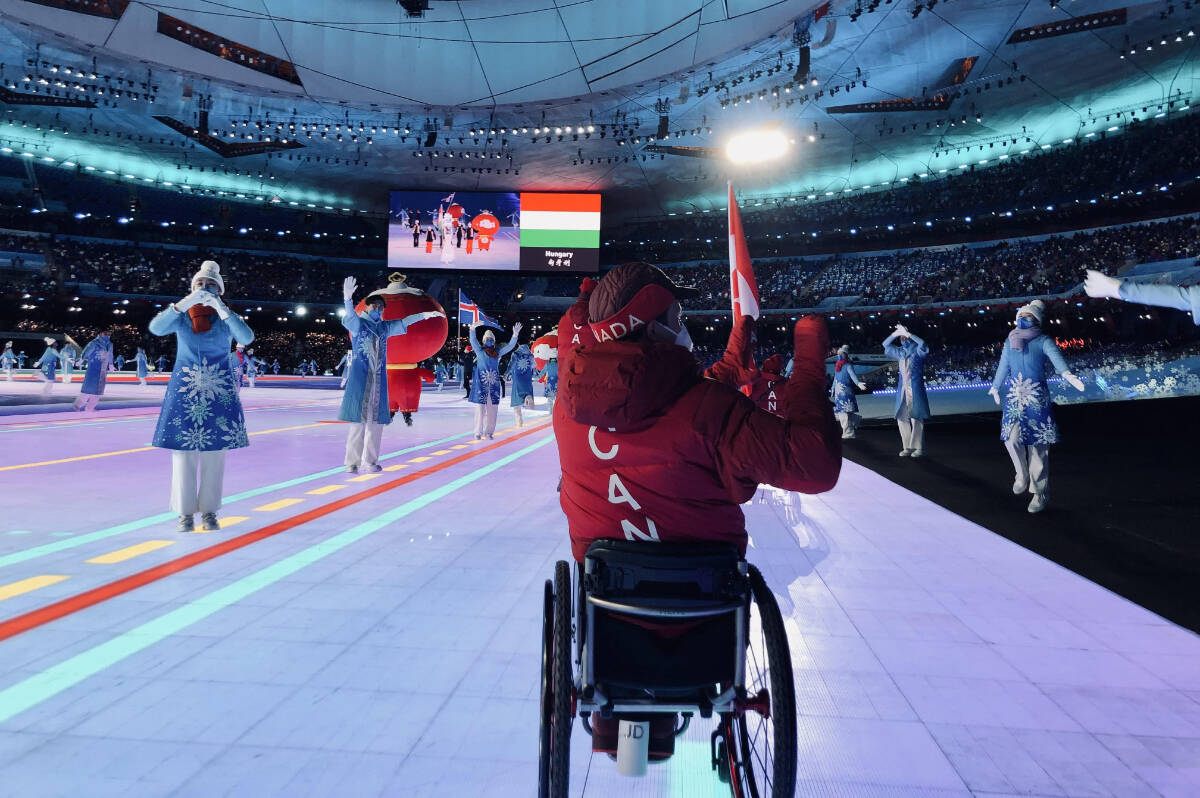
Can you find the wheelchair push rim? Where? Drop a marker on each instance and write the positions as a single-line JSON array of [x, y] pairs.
[[557, 699], [761, 734]]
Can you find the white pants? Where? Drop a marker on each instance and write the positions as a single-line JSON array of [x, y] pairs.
[[141, 380], [912, 434], [87, 401], [66, 377], [47, 384], [1031, 463], [8, 373], [849, 422], [197, 480], [520, 417], [250, 379], [362, 444], [485, 419]]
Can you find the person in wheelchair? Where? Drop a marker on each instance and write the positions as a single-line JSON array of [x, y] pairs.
[[653, 450]]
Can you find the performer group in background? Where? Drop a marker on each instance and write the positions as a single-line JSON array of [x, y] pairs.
[[845, 404], [485, 379], [1027, 425], [201, 417], [343, 366], [48, 363], [912, 406], [97, 359]]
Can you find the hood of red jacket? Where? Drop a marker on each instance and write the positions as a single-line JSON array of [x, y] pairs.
[[623, 385], [773, 364]]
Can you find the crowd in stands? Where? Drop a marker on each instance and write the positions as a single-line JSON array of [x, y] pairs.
[[1046, 191], [1009, 269]]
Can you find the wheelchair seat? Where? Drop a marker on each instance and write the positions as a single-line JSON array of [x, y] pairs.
[[663, 624]]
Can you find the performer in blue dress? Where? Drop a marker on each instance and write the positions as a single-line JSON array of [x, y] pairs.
[[201, 417], [66, 359], [142, 365], [98, 359], [912, 406], [485, 379], [365, 400], [48, 363], [521, 367], [1027, 425], [343, 366], [160, 363], [845, 405], [7, 361]]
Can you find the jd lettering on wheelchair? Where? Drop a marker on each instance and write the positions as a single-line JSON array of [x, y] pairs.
[[619, 494]]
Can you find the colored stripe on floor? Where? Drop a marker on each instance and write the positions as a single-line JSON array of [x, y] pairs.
[[321, 491], [26, 585], [277, 505], [89, 598], [129, 552], [161, 518], [52, 681]]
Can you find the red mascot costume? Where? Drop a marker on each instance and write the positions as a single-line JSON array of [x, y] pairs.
[[545, 348], [485, 226], [422, 340]]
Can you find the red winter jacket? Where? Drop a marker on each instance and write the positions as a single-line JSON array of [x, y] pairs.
[[651, 450]]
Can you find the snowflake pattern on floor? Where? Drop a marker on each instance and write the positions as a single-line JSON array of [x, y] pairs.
[[201, 410], [1027, 412]]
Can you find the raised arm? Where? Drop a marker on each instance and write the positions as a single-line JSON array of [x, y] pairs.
[[802, 450], [1166, 296], [736, 366], [512, 342], [474, 338], [350, 319], [165, 323], [920, 342]]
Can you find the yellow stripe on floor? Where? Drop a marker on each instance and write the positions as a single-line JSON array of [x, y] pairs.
[[26, 585], [363, 477], [420, 459], [279, 505], [459, 446], [395, 467], [321, 491], [129, 552], [442, 451]]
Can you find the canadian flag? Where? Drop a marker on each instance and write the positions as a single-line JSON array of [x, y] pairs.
[[743, 289]]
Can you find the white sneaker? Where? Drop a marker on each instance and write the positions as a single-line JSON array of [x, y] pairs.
[[1038, 503], [373, 468], [905, 452], [351, 469], [1019, 486], [489, 437], [918, 453]]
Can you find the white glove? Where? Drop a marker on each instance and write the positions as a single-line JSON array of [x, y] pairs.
[[348, 286], [194, 298], [862, 386], [994, 394], [214, 302], [1075, 382], [901, 330], [516, 328], [1100, 285]]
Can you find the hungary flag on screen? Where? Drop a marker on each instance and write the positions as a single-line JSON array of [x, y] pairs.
[[560, 221]]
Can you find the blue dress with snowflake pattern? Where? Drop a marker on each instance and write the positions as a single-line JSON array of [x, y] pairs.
[[201, 411], [844, 380], [485, 380], [522, 366], [97, 357], [365, 399], [1027, 404]]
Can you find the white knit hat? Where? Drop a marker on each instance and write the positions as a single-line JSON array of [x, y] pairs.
[[212, 271], [1035, 308], [844, 349], [48, 340], [489, 338]]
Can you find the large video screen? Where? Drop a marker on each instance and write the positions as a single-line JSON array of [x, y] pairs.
[[502, 231]]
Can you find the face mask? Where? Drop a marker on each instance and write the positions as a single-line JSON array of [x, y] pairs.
[[375, 314], [682, 336], [1025, 322]]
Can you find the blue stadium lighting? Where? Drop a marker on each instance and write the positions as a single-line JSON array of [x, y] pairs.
[[123, 220]]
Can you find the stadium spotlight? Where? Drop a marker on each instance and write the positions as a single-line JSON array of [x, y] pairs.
[[301, 310], [756, 146]]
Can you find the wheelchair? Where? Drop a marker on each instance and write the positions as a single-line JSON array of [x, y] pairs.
[[675, 630]]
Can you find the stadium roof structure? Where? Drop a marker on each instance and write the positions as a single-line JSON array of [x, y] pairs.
[[332, 103]]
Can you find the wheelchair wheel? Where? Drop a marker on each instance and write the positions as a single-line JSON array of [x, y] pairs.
[[763, 745], [547, 694], [561, 706]]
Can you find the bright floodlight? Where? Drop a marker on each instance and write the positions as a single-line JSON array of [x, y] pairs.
[[756, 146], [301, 310]]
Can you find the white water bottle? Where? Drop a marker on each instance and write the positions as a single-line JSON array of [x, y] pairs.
[[633, 747]]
